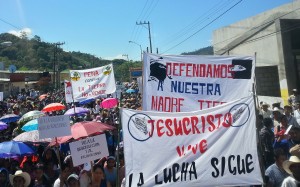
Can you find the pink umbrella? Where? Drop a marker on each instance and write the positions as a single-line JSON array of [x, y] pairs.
[[53, 107], [87, 128], [109, 103]]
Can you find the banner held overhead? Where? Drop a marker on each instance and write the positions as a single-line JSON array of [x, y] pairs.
[[187, 83], [211, 147], [92, 83]]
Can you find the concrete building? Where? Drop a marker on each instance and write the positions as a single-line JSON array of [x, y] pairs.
[[274, 37]]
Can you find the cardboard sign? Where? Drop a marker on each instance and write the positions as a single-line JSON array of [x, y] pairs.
[[89, 149], [54, 126]]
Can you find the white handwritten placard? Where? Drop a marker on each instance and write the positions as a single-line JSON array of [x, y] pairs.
[[54, 126], [89, 149]]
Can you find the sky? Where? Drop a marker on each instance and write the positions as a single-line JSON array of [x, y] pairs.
[[104, 27]]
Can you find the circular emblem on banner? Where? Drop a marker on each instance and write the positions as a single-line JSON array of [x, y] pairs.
[[139, 128], [75, 76], [107, 70], [240, 114]]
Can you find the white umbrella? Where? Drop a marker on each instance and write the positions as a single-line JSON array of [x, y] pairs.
[[31, 136]]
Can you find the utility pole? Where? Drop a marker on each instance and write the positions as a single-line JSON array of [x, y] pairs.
[[126, 56], [56, 73], [148, 23]]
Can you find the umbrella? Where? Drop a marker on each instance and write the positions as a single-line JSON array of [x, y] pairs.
[[84, 129], [14, 149], [53, 107], [31, 136], [10, 118], [31, 125], [32, 115], [3, 126], [131, 91], [87, 128], [86, 101], [78, 110], [109, 103], [60, 140], [42, 97]]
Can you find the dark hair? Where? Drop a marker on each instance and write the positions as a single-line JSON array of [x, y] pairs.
[[39, 166], [63, 166], [267, 122], [279, 152], [96, 166]]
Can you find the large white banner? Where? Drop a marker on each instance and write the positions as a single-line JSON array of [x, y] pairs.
[[89, 149], [211, 147], [68, 92], [92, 83], [188, 83]]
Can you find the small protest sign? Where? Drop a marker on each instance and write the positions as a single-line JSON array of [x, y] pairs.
[[54, 126], [1, 96], [88, 149]]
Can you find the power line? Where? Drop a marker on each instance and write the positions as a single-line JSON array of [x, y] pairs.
[[205, 26], [201, 19], [272, 33], [266, 23], [10, 24]]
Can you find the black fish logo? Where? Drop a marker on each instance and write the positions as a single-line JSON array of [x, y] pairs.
[[158, 72]]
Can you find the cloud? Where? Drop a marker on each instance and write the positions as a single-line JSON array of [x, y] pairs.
[[120, 56], [18, 33]]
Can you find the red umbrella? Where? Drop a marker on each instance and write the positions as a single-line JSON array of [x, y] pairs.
[[53, 107], [87, 128], [109, 103], [42, 97], [84, 129]]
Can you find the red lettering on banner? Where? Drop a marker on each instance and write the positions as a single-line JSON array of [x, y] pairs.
[[201, 147], [166, 104], [91, 73], [189, 125], [208, 104], [199, 70]]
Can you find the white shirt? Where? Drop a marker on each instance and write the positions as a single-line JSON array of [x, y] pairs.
[[290, 182]]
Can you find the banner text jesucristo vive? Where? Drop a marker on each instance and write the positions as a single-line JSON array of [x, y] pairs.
[[212, 147]]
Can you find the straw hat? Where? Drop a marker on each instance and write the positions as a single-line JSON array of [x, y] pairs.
[[20, 173], [288, 163]]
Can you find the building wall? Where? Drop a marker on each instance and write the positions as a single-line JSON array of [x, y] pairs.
[[263, 35]]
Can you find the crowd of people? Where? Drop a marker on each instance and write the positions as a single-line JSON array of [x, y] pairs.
[[278, 129], [279, 133], [53, 166]]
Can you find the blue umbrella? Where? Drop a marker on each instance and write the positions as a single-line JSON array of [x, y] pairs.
[[14, 149], [31, 125], [131, 91], [10, 118], [3, 126], [86, 101]]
